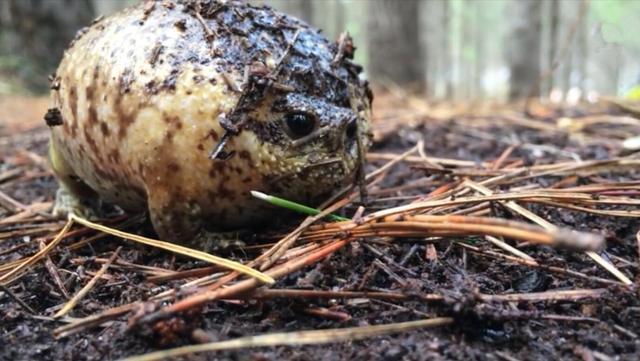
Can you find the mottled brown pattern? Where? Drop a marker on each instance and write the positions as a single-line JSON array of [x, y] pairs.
[[124, 117], [88, 137], [174, 121]]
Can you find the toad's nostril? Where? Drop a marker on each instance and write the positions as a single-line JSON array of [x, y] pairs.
[[352, 129]]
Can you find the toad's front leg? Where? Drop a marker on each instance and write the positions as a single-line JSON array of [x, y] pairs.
[[182, 221], [74, 196]]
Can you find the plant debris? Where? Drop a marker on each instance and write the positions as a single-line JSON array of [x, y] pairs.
[[477, 220]]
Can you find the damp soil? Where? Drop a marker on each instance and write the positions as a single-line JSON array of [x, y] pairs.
[[602, 328]]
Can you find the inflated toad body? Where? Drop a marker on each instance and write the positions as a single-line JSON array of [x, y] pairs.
[[182, 108]]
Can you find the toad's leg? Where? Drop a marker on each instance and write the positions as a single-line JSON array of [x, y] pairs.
[[181, 221], [74, 196]]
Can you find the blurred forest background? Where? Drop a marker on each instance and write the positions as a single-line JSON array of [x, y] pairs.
[[449, 49]]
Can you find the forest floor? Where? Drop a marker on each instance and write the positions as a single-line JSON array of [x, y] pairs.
[[569, 166]]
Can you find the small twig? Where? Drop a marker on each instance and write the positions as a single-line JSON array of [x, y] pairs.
[[209, 34], [4, 279], [245, 285], [314, 337], [558, 270], [53, 271], [518, 253], [272, 255], [327, 313], [638, 245], [17, 299], [93, 320], [11, 204], [549, 226], [185, 251], [386, 269], [285, 55], [85, 290], [624, 331]]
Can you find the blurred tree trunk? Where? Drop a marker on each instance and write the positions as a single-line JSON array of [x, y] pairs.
[[339, 18], [446, 56], [524, 49], [430, 28], [40, 31], [480, 53], [331, 18], [566, 64], [554, 23], [306, 10], [395, 51], [301, 9], [465, 59], [583, 53]]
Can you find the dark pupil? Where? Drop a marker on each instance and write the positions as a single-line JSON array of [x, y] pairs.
[[300, 124]]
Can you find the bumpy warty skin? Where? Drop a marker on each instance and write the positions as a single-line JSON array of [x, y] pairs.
[[142, 94]]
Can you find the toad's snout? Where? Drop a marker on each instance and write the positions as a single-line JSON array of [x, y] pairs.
[[342, 133]]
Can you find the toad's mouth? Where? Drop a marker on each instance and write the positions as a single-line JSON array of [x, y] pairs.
[[313, 173]]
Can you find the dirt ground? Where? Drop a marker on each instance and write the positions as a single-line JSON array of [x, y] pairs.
[[604, 327]]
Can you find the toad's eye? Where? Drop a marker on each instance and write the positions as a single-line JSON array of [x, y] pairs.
[[299, 124]]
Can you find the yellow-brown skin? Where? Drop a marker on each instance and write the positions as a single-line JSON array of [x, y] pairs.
[[138, 127]]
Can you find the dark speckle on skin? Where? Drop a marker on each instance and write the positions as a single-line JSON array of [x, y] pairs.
[[217, 169], [181, 24], [125, 81], [104, 128], [245, 155], [151, 87], [124, 117], [73, 103], [114, 156], [197, 79], [173, 167], [173, 121], [92, 113], [169, 82], [213, 135], [92, 143]]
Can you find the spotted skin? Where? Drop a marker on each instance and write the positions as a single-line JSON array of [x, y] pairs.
[[141, 94]]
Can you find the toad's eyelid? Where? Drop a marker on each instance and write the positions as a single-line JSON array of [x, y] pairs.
[[295, 108]]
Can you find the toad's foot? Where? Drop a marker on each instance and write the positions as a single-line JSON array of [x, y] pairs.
[[211, 242], [67, 203]]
